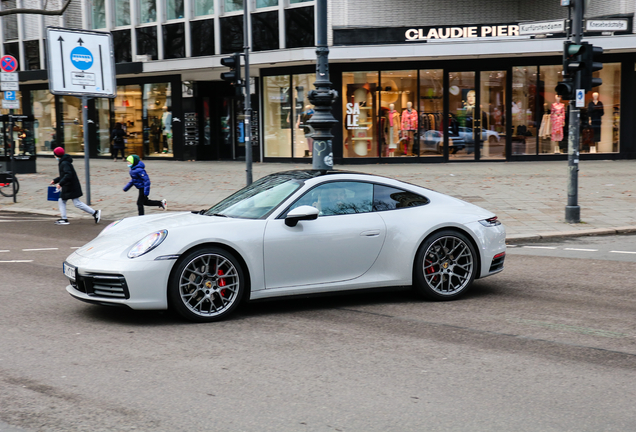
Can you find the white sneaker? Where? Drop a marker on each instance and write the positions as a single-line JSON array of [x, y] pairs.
[[62, 222], [164, 205], [97, 215]]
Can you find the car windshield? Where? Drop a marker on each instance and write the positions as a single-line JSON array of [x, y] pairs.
[[258, 199]]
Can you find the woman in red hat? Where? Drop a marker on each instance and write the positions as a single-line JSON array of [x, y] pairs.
[[71, 188]]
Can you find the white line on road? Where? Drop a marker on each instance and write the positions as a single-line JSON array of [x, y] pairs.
[[539, 247], [16, 261], [75, 247], [40, 249], [5, 250], [623, 252], [582, 250]]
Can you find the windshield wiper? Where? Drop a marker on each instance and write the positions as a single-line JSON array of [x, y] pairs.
[[218, 214]]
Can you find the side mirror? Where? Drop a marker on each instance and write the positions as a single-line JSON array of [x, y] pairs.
[[301, 213]]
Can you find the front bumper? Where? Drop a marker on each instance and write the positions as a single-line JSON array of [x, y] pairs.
[[138, 284]]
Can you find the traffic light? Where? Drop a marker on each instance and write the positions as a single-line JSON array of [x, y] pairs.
[[590, 66], [572, 64], [234, 63]]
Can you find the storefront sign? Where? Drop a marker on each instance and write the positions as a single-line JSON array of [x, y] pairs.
[[418, 34], [606, 25]]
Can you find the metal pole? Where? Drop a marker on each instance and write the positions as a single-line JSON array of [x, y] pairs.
[[12, 155], [572, 209], [86, 149], [322, 97], [248, 96]]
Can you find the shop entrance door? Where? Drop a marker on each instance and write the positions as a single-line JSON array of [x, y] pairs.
[[476, 115]]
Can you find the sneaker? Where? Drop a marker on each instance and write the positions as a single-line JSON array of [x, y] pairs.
[[97, 215], [164, 205], [61, 222]]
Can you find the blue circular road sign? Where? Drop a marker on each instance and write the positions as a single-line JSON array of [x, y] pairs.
[[81, 58], [8, 63]]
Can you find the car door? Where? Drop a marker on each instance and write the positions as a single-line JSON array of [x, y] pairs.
[[341, 244]]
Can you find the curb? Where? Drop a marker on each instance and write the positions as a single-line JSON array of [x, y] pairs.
[[563, 234]]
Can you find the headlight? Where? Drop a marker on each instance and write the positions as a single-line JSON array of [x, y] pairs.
[[112, 224], [147, 243], [493, 221]]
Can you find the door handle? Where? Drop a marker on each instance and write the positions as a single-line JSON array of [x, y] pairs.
[[371, 233]]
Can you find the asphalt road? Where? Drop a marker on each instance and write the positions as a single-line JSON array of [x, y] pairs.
[[547, 345]]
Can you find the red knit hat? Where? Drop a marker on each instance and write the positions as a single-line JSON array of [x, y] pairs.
[[59, 151]]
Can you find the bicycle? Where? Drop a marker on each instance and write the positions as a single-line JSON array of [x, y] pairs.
[[6, 183]]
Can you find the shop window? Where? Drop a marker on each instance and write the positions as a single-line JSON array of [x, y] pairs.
[[492, 94], [600, 118], [174, 41], [265, 31], [174, 9], [121, 43], [147, 11], [277, 115], [360, 104], [399, 119], [554, 120], [266, 3], [203, 33], [103, 126], [98, 14], [72, 128], [122, 13], [233, 5], [5, 111], [157, 120], [302, 111], [299, 27], [231, 34], [43, 109], [462, 102], [203, 7], [147, 41], [32, 54], [431, 108], [524, 110]]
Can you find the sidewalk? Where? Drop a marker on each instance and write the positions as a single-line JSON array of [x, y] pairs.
[[528, 197]]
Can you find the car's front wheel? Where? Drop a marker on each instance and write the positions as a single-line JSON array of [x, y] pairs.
[[207, 285], [445, 266]]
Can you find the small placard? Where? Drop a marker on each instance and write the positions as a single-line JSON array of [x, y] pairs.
[[580, 98]]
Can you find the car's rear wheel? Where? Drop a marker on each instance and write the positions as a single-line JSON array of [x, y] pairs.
[[207, 285], [445, 266]]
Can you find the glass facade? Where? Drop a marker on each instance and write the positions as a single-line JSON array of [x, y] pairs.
[[233, 5], [492, 127], [266, 3], [122, 13], [265, 31], [147, 11], [431, 107], [277, 114], [174, 9], [203, 7], [43, 109], [98, 14], [360, 123], [525, 110]]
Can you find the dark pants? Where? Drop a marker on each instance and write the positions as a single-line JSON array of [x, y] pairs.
[[117, 150], [144, 201]]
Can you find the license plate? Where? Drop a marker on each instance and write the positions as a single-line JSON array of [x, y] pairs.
[[69, 271]]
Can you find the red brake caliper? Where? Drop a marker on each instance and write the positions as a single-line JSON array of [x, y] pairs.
[[222, 283]]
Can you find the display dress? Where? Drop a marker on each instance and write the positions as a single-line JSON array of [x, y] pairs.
[[409, 127], [557, 121], [595, 111]]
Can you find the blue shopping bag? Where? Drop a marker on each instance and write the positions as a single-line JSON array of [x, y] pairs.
[[53, 193]]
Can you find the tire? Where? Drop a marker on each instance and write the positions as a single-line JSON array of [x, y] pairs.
[[207, 285], [445, 266], [8, 190]]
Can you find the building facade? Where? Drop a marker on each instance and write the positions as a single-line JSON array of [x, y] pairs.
[[418, 81]]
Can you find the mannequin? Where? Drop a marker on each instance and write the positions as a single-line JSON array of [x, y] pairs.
[[594, 112], [557, 120], [166, 128], [409, 127], [394, 129]]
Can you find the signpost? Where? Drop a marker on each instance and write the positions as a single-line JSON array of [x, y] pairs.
[[81, 63], [9, 83]]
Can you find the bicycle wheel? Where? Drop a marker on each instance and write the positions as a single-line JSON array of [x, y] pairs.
[[7, 188]]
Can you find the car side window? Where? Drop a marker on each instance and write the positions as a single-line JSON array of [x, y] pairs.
[[338, 198], [390, 198]]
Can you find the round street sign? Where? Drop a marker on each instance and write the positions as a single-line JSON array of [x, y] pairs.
[[8, 63]]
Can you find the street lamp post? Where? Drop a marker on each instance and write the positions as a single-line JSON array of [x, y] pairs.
[[322, 97]]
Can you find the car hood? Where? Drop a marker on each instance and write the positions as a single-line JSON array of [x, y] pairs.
[[116, 240]]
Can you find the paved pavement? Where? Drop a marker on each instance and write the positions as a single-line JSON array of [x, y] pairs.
[[528, 197]]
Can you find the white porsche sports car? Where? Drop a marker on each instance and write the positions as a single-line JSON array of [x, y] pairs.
[[294, 232]]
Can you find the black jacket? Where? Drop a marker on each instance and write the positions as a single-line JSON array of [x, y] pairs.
[[71, 187], [118, 136]]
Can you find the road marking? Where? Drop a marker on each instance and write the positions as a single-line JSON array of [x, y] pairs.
[[16, 261], [24, 220], [623, 252], [540, 247], [5, 251], [75, 247], [582, 250], [40, 249]]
